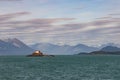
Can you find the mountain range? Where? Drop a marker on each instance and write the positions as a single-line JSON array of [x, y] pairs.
[[14, 47], [108, 50], [70, 50], [62, 49], [109, 44]]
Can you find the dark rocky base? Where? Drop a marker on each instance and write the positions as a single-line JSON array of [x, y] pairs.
[[40, 55]]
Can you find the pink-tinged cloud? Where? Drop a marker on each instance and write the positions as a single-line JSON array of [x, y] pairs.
[[6, 17], [49, 20], [10, 0], [45, 28]]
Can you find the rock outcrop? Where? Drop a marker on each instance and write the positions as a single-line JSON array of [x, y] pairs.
[[38, 54]]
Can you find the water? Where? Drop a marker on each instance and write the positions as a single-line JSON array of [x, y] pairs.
[[60, 68]]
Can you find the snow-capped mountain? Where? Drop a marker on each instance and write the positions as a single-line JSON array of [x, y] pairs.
[[109, 44], [110, 49], [14, 47], [63, 49]]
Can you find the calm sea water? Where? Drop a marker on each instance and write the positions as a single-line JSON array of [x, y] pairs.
[[60, 68]]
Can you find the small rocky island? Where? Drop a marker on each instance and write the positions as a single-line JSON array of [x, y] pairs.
[[38, 53]]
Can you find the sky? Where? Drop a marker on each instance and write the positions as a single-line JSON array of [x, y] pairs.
[[62, 22]]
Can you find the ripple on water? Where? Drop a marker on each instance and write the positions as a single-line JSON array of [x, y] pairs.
[[60, 68]]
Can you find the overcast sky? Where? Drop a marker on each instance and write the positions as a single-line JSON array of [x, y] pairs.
[[91, 22]]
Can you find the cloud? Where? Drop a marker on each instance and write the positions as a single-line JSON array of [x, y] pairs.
[[48, 20], [41, 1], [10, 0], [6, 17], [28, 26], [115, 14], [56, 30]]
